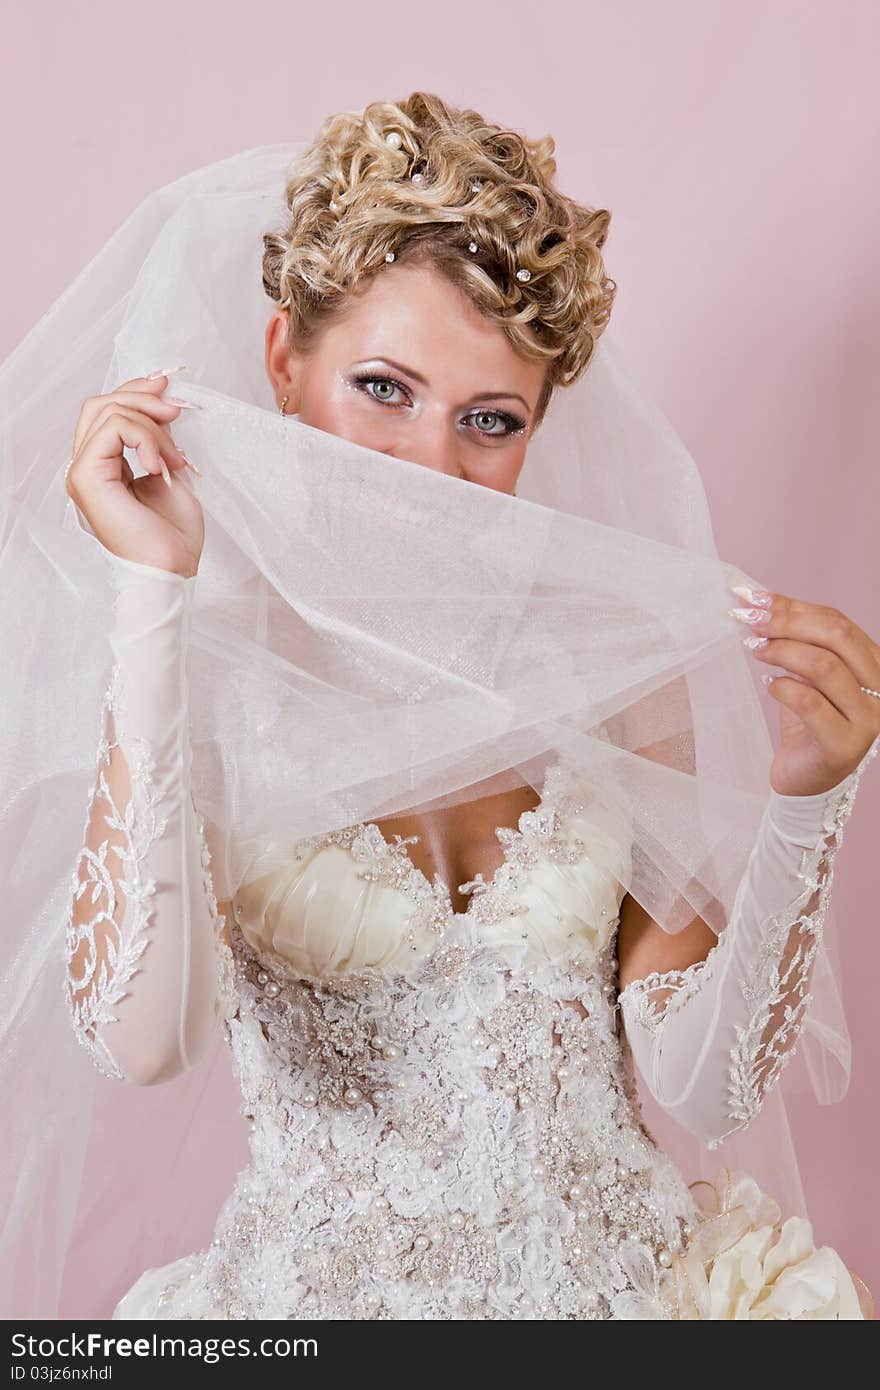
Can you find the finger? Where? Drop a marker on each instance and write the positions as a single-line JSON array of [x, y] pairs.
[[835, 735], [164, 441], [145, 395], [104, 460], [822, 667], [819, 625]]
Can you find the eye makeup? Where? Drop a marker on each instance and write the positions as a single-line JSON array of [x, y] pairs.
[[363, 380]]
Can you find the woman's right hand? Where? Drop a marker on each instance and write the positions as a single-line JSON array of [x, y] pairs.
[[141, 519]]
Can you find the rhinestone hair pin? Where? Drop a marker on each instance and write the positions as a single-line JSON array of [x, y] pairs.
[[395, 140]]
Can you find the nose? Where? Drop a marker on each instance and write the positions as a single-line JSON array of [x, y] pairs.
[[431, 444]]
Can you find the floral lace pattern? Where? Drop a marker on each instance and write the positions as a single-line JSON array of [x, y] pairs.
[[775, 983], [227, 993], [95, 983], [460, 1138], [758, 1059], [102, 952]]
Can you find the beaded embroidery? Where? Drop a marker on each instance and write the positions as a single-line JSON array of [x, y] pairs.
[[461, 1139]]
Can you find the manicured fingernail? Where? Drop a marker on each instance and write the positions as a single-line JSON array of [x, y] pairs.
[[755, 642], [184, 405], [768, 678], [197, 471], [750, 615], [166, 371], [758, 596], [165, 473]]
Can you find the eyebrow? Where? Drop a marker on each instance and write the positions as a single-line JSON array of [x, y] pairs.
[[417, 376]]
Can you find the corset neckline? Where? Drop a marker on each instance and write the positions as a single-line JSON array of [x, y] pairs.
[[537, 820], [432, 923]]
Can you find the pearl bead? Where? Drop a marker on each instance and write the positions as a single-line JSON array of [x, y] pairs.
[[380, 1095], [456, 1220], [389, 255], [379, 1040], [523, 274], [309, 1098], [418, 178], [687, 1229], [334, 206], [354, 1094], [472, 246], [272, 989], [421, 1242], [575, 1191], [390, 1052], [381, 1202], [262, 978], [394, 139], [539, 1170], [665, 1258]]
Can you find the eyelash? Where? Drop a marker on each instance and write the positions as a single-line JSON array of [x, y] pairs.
[[514, 423]]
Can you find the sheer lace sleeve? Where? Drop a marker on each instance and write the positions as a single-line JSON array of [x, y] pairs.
[[711, 1040], [148, 968]]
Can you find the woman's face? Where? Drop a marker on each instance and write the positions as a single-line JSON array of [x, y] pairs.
[[414, 370]]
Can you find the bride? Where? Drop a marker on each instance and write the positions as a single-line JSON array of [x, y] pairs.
[[435, 1016]]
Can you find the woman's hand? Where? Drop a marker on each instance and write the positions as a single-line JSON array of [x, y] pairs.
[[827, 723], [156, 519]]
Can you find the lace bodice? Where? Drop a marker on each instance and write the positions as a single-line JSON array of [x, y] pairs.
[[441, 1104]]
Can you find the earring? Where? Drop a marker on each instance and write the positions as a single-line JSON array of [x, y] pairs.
[[283, 404]]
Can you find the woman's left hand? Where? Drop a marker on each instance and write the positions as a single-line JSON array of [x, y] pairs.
[[827, 723]]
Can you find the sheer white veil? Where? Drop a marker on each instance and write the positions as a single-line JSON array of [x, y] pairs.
[[368, 635]]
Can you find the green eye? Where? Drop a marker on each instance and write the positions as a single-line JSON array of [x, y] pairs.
[[486, 420], [381, 388]]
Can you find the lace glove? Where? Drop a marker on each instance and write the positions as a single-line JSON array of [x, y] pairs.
[[711, 1040], [146, 968]]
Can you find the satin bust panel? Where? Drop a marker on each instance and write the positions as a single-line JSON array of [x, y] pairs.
[[353, 900]]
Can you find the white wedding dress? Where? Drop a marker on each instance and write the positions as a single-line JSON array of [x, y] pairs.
[[443, 1113]]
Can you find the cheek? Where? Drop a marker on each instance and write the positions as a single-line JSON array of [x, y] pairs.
[[338, 409], [501, 468]]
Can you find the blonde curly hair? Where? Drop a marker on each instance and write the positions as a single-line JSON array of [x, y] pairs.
[[422, 182]]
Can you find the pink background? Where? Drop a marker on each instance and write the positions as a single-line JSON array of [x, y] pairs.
[[734, 144]]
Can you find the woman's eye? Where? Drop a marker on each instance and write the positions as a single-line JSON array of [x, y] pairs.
[[385, 387], [485, 420]]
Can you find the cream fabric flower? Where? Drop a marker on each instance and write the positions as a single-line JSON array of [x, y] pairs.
[[740, 1262]]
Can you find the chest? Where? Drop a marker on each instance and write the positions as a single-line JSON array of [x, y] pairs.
[[459, 843]]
